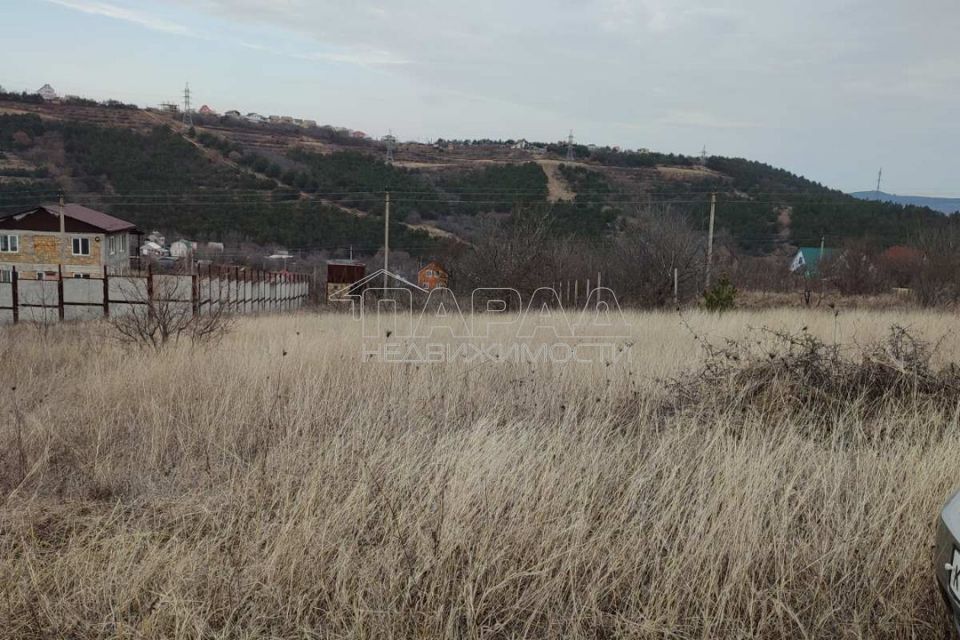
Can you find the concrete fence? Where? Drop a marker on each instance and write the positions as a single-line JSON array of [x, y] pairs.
[[230, 290]]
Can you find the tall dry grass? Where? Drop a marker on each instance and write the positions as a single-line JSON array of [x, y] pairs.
[[237, 492]]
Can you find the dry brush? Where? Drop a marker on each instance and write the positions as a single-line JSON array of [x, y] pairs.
[[277, 486]]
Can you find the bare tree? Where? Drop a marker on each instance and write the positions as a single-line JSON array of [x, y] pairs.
[[649, 249], [512, 253], [937, 278], [163, 313]]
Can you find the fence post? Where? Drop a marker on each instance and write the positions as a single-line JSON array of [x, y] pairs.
[[106, 293], [59, 293], [15, 295], [150, 308], [236, 286], [194, 298]]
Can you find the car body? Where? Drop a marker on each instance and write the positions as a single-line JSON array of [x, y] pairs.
[[947, 558]]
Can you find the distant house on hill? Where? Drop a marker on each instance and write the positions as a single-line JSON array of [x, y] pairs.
[[358, 134], [256, 118], [432, 276], [233, 114], [47, 93], [207, 111], [807, 260]]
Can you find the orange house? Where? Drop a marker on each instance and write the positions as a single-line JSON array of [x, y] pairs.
[[432, 276]]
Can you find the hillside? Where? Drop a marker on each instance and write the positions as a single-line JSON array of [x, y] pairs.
[[319, 189], [943, 205]]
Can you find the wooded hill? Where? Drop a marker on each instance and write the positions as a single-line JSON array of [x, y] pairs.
[[312, 190]]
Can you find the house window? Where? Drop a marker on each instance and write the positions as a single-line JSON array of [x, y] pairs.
[[6, 276], [81, 276], [9, 244], [81, 246], [112, 244]]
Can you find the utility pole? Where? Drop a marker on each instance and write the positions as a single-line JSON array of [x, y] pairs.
[[187, 109], [63, 232], [713, 210], [820, 257], [390, 142], [879, 175], [386, 239]]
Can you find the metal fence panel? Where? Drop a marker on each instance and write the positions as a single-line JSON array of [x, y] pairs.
[[39, 293], [79, 291], [127, 288]]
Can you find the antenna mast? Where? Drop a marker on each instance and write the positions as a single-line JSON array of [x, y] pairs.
[[187, 110], [391, 143], [879, 175]]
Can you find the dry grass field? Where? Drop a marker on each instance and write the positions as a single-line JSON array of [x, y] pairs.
[[276, 486]]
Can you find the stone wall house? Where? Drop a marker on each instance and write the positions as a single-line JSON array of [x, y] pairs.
[[40, 243]]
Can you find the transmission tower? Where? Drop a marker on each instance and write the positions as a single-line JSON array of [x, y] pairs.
[[187, 110], [570, 156], [703, 156], [390, 142], [879, 176]]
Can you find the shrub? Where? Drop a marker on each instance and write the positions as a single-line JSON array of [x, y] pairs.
[[721, 297]]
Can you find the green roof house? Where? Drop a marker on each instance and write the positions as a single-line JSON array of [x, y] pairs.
[[808, 259]]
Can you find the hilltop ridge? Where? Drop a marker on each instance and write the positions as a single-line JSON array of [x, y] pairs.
[[321, 187]]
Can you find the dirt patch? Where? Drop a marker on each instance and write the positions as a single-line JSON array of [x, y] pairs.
[[557, 187], [688, 173]]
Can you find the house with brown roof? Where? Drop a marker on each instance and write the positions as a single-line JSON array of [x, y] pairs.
[[432, 276], [45, 241]]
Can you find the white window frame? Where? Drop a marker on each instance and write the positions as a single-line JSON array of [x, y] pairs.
[[78, 241], [9, 243]]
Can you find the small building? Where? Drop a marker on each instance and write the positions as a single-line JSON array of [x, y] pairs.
[[309, 124], [47, 93], [233, 114], [207, 111], [275, 119], [256, 118], [40, 244], [807, 260], [341, 274], [432, 276], [182, 248], [358, 134], [157, 237], [215, 247], [152, 249]]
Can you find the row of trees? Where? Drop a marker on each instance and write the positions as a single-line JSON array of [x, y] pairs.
[[526, 252]]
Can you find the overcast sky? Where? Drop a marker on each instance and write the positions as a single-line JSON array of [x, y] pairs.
[[830, 89]]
